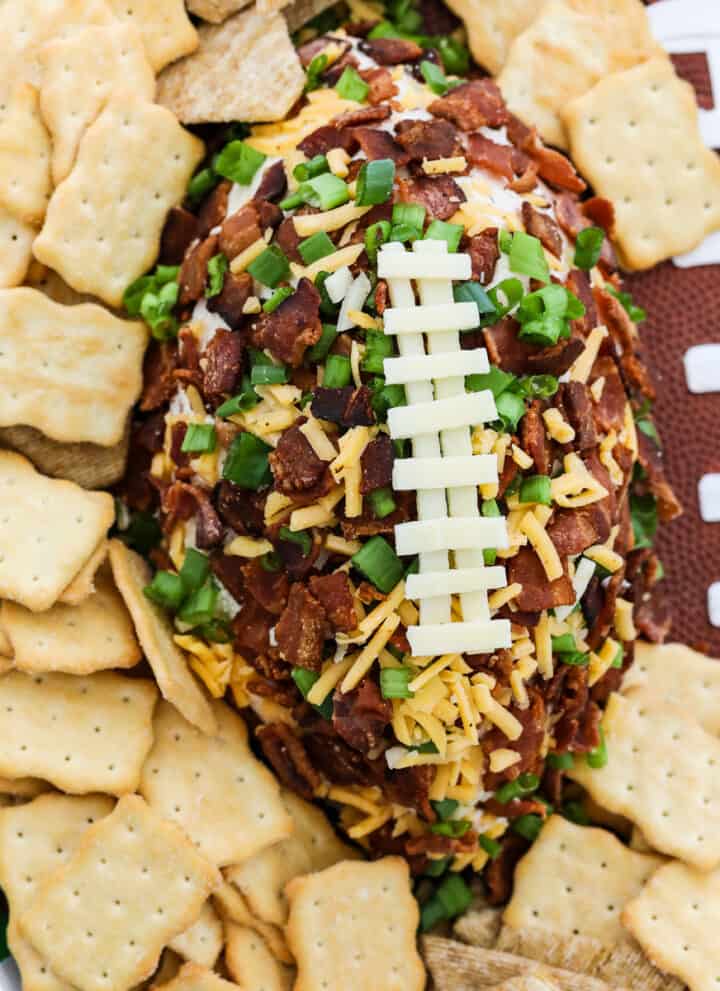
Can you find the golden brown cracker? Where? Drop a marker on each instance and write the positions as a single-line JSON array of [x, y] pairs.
[[16, 240], [134, 883], [81, 734], [245, 69], [635, 137], [48, 530], [192, 977], [216, 11], [72, 372], [155, 633], [202, 942], [83, 584], [24, 155], [166, 30], [88, 465], [366, 906], [103, 224], [492, 25], [227, 802], [250, 962], [232, 907]]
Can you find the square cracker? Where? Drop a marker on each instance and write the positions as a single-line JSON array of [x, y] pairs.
[[81, 72], [675, 921], [133, 884], [83, 584], [155, 633], [576, 880], [673, 674], [166, 30], [216, 11], [23, 787], [48, 530], [312, 846], [227, 802], [663, 773], [103, 224], [233, 908], [24, 155], [202, 942], [250, 962], [368, 907], [96, 635], [570, 46], [81, 734], [72, 372], [245, 69], [492, 25], [16, 240], [635, 137], [192, 977], [88, 465]]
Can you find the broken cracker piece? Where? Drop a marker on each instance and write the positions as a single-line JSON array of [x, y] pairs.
[[663, 773], [635, 137], [133, 884], [227, 802], [203, 941], [192, 977], [166, 30], [245, 69], [83, 584], [88, 465], [24, 156], [48, 531], [251, 963], [216, 11], [366, 906], [155, 633], [16, 240], [232, 907], [103, 225], [492, 25]]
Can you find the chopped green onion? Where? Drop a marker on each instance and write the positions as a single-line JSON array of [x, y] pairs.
[[382, 502], [351, 87], [238, 404], [327, 307], [304, 680], [490, 508], [536, 386], [378, 347], [575, 659], [278, 297], [544, 314], [238, 162], [511, 291], [528, 826], [436, 868], [217, 267], [575, 812], [505, 241], [385, 397], [588, 245], [455, 56], [302, 538], [598, 757], [375, 182], [496, 380], [379, 563], [294, 200], [643, 513], [647, 427], [432, 912], [511, 410], [326, 191], [527, 257], [619, 657], [560, 762], [454, 828], [445, 808], [564, 644], [491, 847], [142, 534], [166, 589], [425, 748], [536, 488], [268, 374], [271, 562], [435, 78], [636, 313], [153, 297], [454, 895], [200, 438], [195, 570], [404, 232], [315, 247], [247, 463], [473, 292], [489, 556], [376, 235], [314, 71], [412, 214], [201, 184], [318, 351], [451, 234], [271, 267], [338, 372], [524, 784], [308, 170], [394, 683], [199, 607]]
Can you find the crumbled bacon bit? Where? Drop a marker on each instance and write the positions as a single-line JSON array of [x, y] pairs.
[[193, 271], [534, 440], [376, 144], [239, 509], [440, 195], [472, 105], [574, 530], [325, 138], [609, 409], [537, 592], [294, 463], [361, 716], [223, 356], [273, 184], [269, 588], [302, 629], [293, 327], [177, 436], [543, 227], [490, 155], [335, 596], [239, 231], [392, 51], [381, 85], [358, 411], [289, 759], [230, 301], [214, 208], [158, 381], [577, 403], [651, 459], [180, 230], [428, 139], [376, 463], [364, 115], [484, 252]]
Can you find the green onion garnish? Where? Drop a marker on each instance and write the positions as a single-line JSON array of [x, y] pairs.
[[200, 438], [524, 784], [434, 77], [473, 292], [491, 847], [385, 397], [636, 313], [528, 826], [527, 257], [271, 267], [382, 502], [504, 241], [199, 607], [455, 56], [375, 182], [564, 644], [195, 570], [302, 538], [588, 246], [351, 87], [278, 297], [238, 404], [643, 513], [598, 757], [375, 236], [445, 807], [560, 762], [489, 556], [327, 307], [544, 314], [452, 234], [619, 658], [201, 184], [304, 680], [454, 895], [536, 488], [308, 170], [314, 71], [338, 372], [496, 380], [379, 563], [153, 297], [325, 191], [268, 374], [454, 828], [436, 868], [166, 589], [217, 267], [408, 221], [511, 410], [394, 683], [432, 912], [318, 351], [247, 463], [575, 812], [314, 248], [490, 508], [238, 162], [294, 200], [378, 347], [506, 295]]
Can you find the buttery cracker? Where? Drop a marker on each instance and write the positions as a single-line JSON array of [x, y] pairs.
[[132, 885], [635, 137], [366, 906], [48, 530], [216, 11], [103, 224], [312, 846], [93, 636], [203, 941], [72, 372], [570, 46], [166, 30], [663, 773], [88, 465], [492, 25], [245, 69], [227, 802], [232, 907], [251, 964], [23, 787], [674, 919], [16, 238], [83, 584], [81, 72], [192, 977], [24, 156], [81, 734], [155, 633]]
